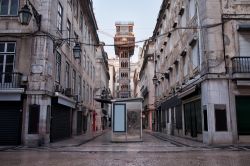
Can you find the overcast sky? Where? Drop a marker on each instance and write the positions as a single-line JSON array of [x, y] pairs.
[[142, 12]]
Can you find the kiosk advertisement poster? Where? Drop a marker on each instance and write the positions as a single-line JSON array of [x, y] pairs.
[[119, 118]]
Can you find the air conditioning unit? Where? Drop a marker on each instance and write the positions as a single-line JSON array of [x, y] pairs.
[[77, 98], [68, 92], [58, 88]]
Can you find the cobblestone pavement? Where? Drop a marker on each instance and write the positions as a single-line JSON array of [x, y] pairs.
[[155, 150]]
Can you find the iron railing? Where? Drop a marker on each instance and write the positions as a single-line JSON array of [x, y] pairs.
[[241, 64], [10, 80]]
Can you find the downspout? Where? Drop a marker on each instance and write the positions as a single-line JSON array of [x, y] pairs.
[[223, 40], [200, 35]]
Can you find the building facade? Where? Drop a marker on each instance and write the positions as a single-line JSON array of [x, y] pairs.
[[147, 89], [46, 91], [102, 90], [203, 47]]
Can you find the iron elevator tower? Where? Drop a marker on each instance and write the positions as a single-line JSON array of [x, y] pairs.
[[124, 41]]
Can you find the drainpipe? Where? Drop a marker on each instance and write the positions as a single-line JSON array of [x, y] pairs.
[[199, 34]]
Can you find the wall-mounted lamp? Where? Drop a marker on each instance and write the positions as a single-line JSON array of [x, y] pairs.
[[155, 80], [77, 50], [163, 75], [25, 15]]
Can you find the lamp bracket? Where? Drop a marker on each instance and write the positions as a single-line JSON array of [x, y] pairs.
[[38, 17]]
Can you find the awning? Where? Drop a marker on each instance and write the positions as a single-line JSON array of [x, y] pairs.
[[171, 102], [64, 100], [187, 92], [244, 27], [11, 94]]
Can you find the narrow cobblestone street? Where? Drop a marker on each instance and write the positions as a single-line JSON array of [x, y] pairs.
[[152, 151]]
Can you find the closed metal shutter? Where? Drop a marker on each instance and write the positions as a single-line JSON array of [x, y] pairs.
[[79, 122], [60, 123], [243, 114], [10, 123]]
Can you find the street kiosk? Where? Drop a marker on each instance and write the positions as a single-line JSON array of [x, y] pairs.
[[127, 120]]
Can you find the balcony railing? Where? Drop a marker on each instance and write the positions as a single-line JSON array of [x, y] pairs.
[[241, 64], [10, 80]]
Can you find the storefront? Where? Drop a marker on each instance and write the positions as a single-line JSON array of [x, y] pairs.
[[61, 117], [191, 105]]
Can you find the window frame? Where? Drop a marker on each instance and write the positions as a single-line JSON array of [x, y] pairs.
[[58, 67], [59, 22], [68, 29], [9, 9], [67, 75], [5, 54]]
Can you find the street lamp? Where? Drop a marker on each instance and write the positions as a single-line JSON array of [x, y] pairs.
[[25, 15], [155, 80], [77, 50]]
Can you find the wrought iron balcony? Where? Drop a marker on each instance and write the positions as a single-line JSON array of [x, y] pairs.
[[241, 64], [10, 80]]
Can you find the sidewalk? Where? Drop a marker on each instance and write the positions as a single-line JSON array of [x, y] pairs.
[[176, 140], [181, 141], [76, 140]]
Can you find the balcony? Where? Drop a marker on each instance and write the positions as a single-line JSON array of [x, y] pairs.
[[10, 80], [10, 86], [241, 68]]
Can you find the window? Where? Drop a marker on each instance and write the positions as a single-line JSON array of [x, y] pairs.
[[81, 21], [195, 57], [192, 9], [83, 90], [90, 70], [79, 88], [59, 17], [220, 117], [68, 30], [9, 7], [185, 66], [73, 81], [34, 111], [58, 67], [244, 43], [177, 72], [87, 93], [84, 59], [205, 118], [7, 57], [88, 65], [70, 2], [75, 8], [183, 21], [90, 96], [93, 73], [67, 71]]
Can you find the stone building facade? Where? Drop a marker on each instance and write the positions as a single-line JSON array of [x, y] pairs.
[[102, 88], [46, 93], [203, 47], [147, 89]]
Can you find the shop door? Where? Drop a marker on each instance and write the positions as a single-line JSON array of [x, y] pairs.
[[192, 113], [79, 122], [60, 123], [243, 114], [10, 124]]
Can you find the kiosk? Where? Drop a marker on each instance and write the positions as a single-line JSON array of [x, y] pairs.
[[127, 120]]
